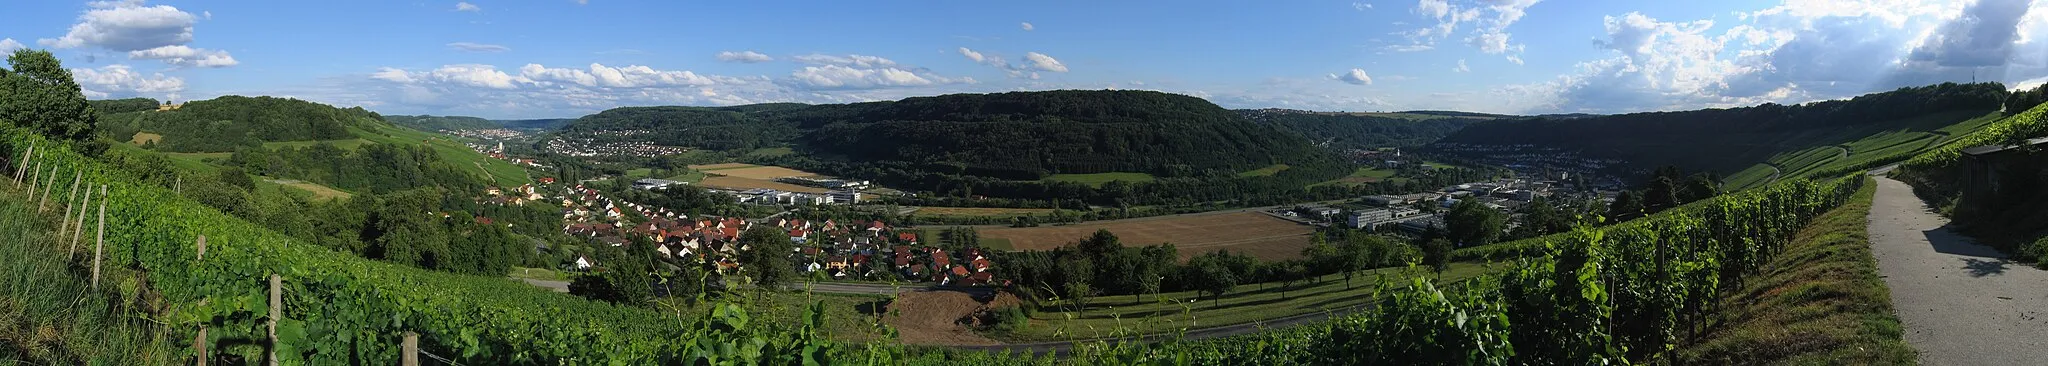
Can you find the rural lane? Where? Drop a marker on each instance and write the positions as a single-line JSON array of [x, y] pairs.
[[1961, 303]]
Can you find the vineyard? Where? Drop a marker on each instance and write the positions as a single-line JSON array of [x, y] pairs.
[[1630, 292]]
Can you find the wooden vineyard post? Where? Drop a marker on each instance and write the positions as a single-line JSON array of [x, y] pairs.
[[23, 169], [198, 343], [34, 175], [276, 310], [410, 354], [78, 231], [40, 205], [70, 202], [99, 245]]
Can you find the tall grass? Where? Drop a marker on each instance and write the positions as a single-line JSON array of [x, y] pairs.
[[49, 313]]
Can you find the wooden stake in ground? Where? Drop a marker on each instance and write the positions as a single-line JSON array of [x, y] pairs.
[[69, 201], [100, 246], [78, 231], [198, 343], [276, 310], [23, 169], [46, 188], [410, 354], [34, 176]]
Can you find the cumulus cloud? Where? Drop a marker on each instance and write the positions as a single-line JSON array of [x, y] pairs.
[[1982, 36], [1355, 77], [971, 55], [1027, 26], [1489, 21], [835, 76], [186, 56], [122, 81], [860, 61], [747, 57], [1042, 62], [127, 26], [1461, 67], [477, 47], [466, 6], [1361, 6], [8, 45]]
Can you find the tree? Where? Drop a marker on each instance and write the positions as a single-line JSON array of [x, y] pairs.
[[1214, 278], [1437, 254], [1326, 258], [765, 254], [39, 93], [1359, 253], [1470, 223], [1627, 205], [1701, 186]]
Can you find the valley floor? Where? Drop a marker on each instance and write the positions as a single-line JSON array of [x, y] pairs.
[[1962, 303]]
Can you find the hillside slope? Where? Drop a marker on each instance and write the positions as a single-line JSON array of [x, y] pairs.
[[438, 123], [1727, 141], [1369, 130], [226, 123]]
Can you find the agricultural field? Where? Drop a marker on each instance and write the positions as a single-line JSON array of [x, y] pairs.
[[1256, 234], [1366, 175], [1097, 179], [1264, 172], [320, 192], [981, 211], [741, 176], [145, 137], [737, 183], [1864, 151], [1170, 312], [349, 144]]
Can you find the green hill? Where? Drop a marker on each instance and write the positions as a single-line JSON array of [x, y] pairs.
[[1369, 130], [441, 123], [226, 123], [1798, 138]]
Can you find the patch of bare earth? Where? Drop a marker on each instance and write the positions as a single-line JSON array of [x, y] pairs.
[[940, 318]]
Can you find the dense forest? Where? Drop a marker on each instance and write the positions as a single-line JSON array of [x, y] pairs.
[[1365, 131], [441, 123], [113, 106], [1728, 140], [226, 123]]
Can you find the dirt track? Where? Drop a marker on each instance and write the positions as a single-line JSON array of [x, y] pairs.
[[1962, 303], [931, 318]]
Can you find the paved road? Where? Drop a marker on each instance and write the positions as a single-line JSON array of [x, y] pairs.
[[1962, 303]]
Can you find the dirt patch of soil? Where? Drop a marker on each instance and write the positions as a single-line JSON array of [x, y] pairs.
[[940, 318]]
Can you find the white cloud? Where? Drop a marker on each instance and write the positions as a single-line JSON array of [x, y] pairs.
[[477, 47], [1461, 67], [186, 56], [1361, 6], [860, 61], [392, 75], [835, 77], [127, 26], [1044, 63], [122, 81], [1355, 77], [1407, 47], [8, 45], [475, 75], [1490, 20], [466, 6], [1027, 26], [971, 55], [748, 57]]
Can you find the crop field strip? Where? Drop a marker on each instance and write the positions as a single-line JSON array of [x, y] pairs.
[[1257, 234]]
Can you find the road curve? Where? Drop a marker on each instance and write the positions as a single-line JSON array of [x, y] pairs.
[[1961, 303]]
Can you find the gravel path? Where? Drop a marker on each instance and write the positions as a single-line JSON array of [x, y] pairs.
[[1962, 303]]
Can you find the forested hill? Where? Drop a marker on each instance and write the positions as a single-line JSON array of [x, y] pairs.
[[1017, 135], [534, 124], [441, 123], [222, 124], [1369, 130], [1728, 140]]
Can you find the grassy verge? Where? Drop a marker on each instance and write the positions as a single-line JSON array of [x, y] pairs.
[[50, 314], [538, 274], [1820, 302], [1097, 179], [1264, 172], [1172, 312]]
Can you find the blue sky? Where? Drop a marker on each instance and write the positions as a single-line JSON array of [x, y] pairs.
[[566, 58]]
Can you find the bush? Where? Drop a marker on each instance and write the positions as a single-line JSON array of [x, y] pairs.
[[1011, 318], [2037, 251]]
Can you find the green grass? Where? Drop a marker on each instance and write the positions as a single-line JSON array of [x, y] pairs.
[[999, 244], [770, 152], [500, 172], [1264, 172], [1819, 302], [637, 173], [1173, 312], [1756, 175], [1363, 174], [1097, 179], [348, 144], [691, 176], [50, 314], [845, 320], [538, 274]]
